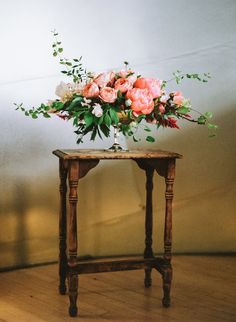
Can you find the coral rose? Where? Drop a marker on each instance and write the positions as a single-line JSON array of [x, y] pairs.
[[178, 98], [91, 90], [108, 94], [104, 79], [153, 85], [123, 85], [142, 101]]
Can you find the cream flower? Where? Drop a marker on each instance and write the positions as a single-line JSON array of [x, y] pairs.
[[97, 110], [65, 91]]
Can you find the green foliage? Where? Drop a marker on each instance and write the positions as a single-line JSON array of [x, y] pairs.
[[114, 116], [34, 112], [74, 67], [150, 139], [179, 76], [203, 119]]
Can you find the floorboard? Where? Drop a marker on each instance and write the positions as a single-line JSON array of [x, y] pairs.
[[204, 289]]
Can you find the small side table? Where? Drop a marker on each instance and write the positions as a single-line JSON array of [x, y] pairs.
[[75, 164]]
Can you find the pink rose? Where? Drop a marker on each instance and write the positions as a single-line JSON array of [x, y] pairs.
[[142, 101], [108, 94], [153, 85], [90, 90], [104, 79], [178, 98], [123, 85]]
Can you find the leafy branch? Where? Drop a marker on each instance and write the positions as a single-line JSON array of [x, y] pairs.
[[73, 67], [178, 76]]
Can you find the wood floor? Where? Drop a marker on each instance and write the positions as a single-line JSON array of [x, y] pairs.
[[204, 289]]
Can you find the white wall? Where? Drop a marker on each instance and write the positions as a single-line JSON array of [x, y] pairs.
[[156, 37]]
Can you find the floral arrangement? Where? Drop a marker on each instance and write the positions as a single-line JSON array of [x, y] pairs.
[[120, 99]]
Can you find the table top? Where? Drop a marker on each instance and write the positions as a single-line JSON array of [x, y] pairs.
[[81, 154]]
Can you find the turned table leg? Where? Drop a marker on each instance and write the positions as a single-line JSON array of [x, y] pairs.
[[62, 227], [72, 236], [167, 269], [148, 225]]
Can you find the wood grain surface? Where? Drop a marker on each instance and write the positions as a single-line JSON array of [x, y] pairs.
[[103, 154], [203, 291]]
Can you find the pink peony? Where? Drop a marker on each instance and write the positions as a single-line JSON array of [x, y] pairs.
[[108, 94], [132, 79], [142, 101], [153, 85], [104, 79], [123, 85], [178, 98], [91, 90]]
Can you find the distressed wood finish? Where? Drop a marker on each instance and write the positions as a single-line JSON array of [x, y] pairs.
[[84, 154], [148, 252], [62, 227], [72, 235], [118, 264], [167, 269], [78, 163]]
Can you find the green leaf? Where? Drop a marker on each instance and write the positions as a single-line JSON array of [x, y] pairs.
[[212, 126], [46, 115], [105, 130], [147, 129], [58, 105], [94, 133], [88, 118], [114, 116], [201, 119], [76, 102], [54, 53], [208, 115], [183, 110], [107, 120], [150, 139], [34, 116], [135, 139]]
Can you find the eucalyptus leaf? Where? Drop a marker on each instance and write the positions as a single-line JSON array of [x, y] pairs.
[[150, 139]]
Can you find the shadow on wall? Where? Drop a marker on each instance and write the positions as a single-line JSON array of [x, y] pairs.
[[21, 197], [205, 187], [112, 199], [14, 229]]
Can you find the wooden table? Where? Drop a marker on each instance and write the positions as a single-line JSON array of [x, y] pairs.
[[75, 164]]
